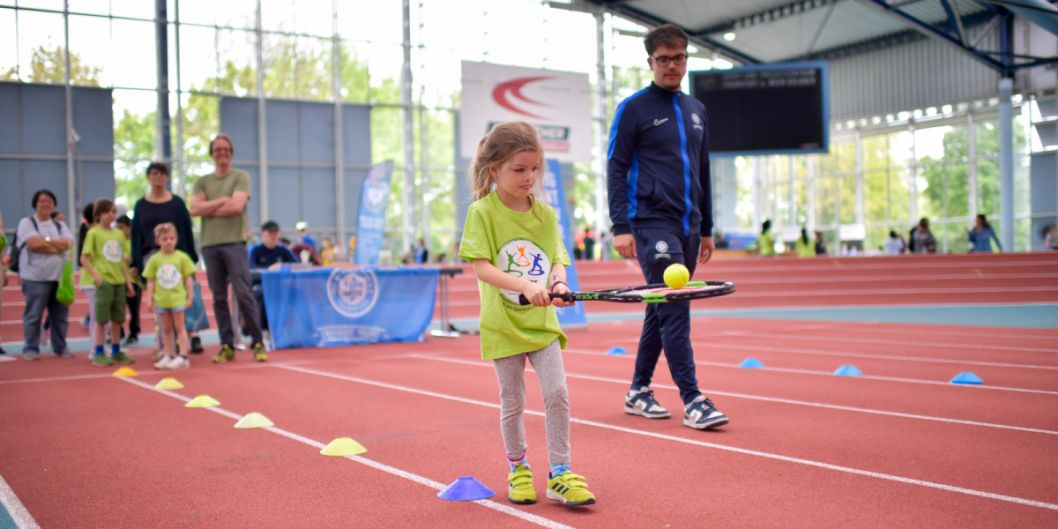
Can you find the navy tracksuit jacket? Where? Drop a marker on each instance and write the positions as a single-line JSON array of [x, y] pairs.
[[659, 187]]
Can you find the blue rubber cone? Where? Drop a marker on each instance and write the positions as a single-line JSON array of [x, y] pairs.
[[617, 350], [848, 370], [967, 377], [751, 363], [466, 488]]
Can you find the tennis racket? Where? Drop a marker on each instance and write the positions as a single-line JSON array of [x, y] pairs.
[[656, 293]]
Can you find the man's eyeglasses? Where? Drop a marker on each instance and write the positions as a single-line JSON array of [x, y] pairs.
[[678, 60]]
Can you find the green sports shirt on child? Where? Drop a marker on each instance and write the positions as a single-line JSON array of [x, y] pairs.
[[168, 271], [522, 244], [107, 251]]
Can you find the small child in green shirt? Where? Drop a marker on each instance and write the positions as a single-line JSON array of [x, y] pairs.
[[513, 241], [105, 256], [169, 291]]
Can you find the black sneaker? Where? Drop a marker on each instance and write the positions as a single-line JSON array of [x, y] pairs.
[[641, 402], [196, 345], [702, 415], [132, 340], [2, 351]]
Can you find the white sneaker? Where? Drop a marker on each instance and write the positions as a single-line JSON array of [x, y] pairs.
[[178, 362], [162, 364], [159, 355]]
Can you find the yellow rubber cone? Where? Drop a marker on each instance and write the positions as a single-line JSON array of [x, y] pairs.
[[126, 372], [343, 446], [169, 384], [202, 401], [254, 420]]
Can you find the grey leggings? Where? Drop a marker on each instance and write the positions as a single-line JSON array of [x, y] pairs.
[[510, 372]]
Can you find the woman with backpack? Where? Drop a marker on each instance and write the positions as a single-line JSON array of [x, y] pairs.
[[41, 245]]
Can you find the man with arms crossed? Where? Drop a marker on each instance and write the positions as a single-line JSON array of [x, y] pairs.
[[220, 199]]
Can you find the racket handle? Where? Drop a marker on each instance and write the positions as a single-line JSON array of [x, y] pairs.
[[568, 296]]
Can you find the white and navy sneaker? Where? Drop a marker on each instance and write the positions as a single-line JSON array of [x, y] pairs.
[[641, 402], [702, 415]]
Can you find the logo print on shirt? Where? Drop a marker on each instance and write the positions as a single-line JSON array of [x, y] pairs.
[[112, 251], [523, 258], [697, 121], [661, 246], [168, 276], [659, 121]]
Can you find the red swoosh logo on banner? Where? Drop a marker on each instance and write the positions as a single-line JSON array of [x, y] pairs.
[[503, 93]]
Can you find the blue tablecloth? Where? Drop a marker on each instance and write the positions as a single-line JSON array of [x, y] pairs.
[[322, 307]]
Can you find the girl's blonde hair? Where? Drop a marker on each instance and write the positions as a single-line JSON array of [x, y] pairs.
[[499, 145]]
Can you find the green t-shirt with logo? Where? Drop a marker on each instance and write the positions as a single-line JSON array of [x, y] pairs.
[[522, 244], [223, 230], [168, 270], [108, 251]]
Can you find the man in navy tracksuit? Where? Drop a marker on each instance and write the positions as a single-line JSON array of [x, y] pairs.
[[661, 209]]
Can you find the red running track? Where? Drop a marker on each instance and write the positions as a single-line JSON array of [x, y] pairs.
[[804, 449]]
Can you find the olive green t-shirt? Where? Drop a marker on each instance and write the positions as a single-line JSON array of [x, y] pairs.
[[522, 244], [168, 270], [223, 230], [108, 251]]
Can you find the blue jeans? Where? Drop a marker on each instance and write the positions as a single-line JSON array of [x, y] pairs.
[[40, 295]]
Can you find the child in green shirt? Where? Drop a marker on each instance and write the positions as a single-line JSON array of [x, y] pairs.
[[169, 291], [105, 256], [513, 241]]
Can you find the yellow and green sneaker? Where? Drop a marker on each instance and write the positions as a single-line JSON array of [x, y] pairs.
[[570, 489], [226, 354], [260, 353], [520, 485]]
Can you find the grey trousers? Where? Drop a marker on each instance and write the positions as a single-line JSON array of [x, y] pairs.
[[229, 263], [510, 372], [40, 295]]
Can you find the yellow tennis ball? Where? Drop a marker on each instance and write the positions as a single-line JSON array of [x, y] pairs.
[[677, 276]]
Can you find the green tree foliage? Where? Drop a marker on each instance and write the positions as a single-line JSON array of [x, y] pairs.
[[48, 66]]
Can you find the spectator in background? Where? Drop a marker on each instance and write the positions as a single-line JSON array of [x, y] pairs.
[[721, 242], [894, 245], [921, 239], [1050, 236], [220, 198], [268, 254], [420, 252], [43, 244], [159, 206], [982, 237], [124, 223], [804, 246], [305, 238], [3, 270], [328, 254], [821, 245], [765, 241], [589, 244]]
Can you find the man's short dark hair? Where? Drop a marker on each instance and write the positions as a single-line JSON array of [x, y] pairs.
[[158, 166], [270, 226], [665, 35], [40, 192], [124, 220], [221, 136]]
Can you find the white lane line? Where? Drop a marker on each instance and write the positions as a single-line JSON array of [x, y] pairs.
[[427, 482], [694, 442], [830, 374], [873, 356], [891, 342], [14, 507], [763, 398]]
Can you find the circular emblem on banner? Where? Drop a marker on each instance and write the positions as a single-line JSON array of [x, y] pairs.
[[168, 276], [112, 251], [522, 258], [375, 196], [661, 246], [352, 293]]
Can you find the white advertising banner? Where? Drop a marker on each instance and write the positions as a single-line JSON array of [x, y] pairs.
[[558, 104]]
